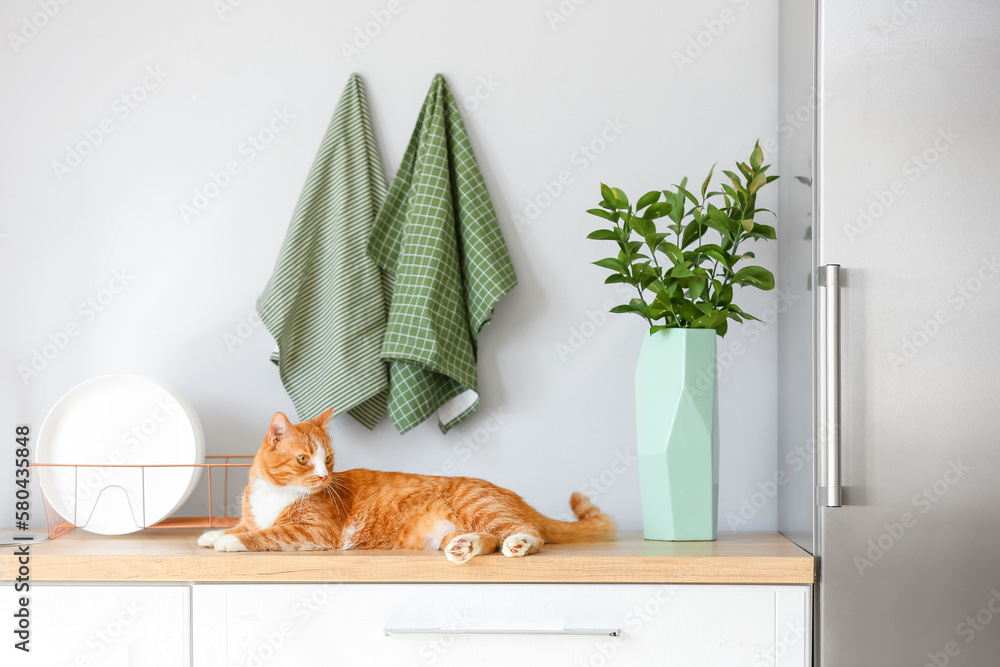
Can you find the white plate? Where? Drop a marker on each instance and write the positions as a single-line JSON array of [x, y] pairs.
[[126, 420]]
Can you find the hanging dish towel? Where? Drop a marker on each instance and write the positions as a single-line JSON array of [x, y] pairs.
[[326, 303], [437, 234]]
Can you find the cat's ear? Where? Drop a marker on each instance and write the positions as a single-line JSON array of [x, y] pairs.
[[322, 419], [279, 428]]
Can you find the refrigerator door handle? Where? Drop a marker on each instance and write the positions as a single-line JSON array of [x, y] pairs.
[[828, 491]]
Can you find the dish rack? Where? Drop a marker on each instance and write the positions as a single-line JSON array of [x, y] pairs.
[[57, 525]]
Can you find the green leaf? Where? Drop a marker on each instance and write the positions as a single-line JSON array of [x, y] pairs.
[[745, 169], [757, 157], [696, 288], [756, 276], [608, 194], [684, 191], [747, 224], [676, 200], [718, 221], [618, 278], [644, 226], [659, 209], [760, 231], [688, 311], [654, 312], [756, 183], [704, 186], [733, 308], [737, 184], [626, 308], [710, 320], [715, 252], [619, 200], [681, 272], [647, 199], [725, 297], [691, 233], [603, 234], [647, 274], [613, 264], [672, 251], [654, 329]]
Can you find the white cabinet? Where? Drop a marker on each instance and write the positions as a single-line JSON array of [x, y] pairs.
[[278, 625], [434, 624], [102, 626]]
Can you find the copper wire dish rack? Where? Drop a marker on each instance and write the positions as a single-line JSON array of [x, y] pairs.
[[57, 525]]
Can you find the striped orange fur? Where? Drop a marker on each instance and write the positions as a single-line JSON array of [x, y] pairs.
[[294, 501]]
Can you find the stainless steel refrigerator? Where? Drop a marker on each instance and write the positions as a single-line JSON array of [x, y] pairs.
[[889, 365]]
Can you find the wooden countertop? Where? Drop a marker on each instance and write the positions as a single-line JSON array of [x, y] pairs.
[[171, 555]]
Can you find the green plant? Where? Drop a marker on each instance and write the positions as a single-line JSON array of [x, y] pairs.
[[687, 279]]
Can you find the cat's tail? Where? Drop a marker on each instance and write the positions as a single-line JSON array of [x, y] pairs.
[[590, 526]]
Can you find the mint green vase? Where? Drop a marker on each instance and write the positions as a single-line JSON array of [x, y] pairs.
[[677, 424]]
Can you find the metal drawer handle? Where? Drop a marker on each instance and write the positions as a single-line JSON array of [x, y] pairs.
[[567, 632], [829, 491]]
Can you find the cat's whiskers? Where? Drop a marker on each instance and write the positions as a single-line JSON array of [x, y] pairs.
[[334, 498], [340, 484], [339, 504]]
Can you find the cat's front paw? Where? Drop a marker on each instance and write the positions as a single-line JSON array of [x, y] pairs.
[[520, 544], [229, 542], [462, 548], [209, 538]]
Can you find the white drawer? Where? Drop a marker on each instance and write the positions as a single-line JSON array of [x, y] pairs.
[[102, 626], [657, 625]]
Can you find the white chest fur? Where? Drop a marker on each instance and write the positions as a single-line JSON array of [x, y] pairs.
[[267, 501], [432, 539], [347, 537]]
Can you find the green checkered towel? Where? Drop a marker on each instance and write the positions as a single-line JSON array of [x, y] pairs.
[[438, 235], [326, 303]]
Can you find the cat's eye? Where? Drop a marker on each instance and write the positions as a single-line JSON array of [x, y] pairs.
[[329, 459], [302, 458]]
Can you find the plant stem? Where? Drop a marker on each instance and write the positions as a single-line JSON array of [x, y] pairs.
[[641, 298]]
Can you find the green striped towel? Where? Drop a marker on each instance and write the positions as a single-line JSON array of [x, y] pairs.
[[326, 303], [438, 235]]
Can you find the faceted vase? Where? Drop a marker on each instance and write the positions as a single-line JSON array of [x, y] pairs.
[[677, 424]]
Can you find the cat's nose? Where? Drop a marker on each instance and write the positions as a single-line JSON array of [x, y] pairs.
[[323, 478]]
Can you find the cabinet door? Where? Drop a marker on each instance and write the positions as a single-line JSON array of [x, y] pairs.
[[101, 626], [430, 624]]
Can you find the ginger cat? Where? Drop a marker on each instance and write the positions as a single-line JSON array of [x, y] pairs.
[[294, 501]]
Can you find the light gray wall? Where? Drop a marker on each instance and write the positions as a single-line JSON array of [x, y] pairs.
[[551, 78]]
